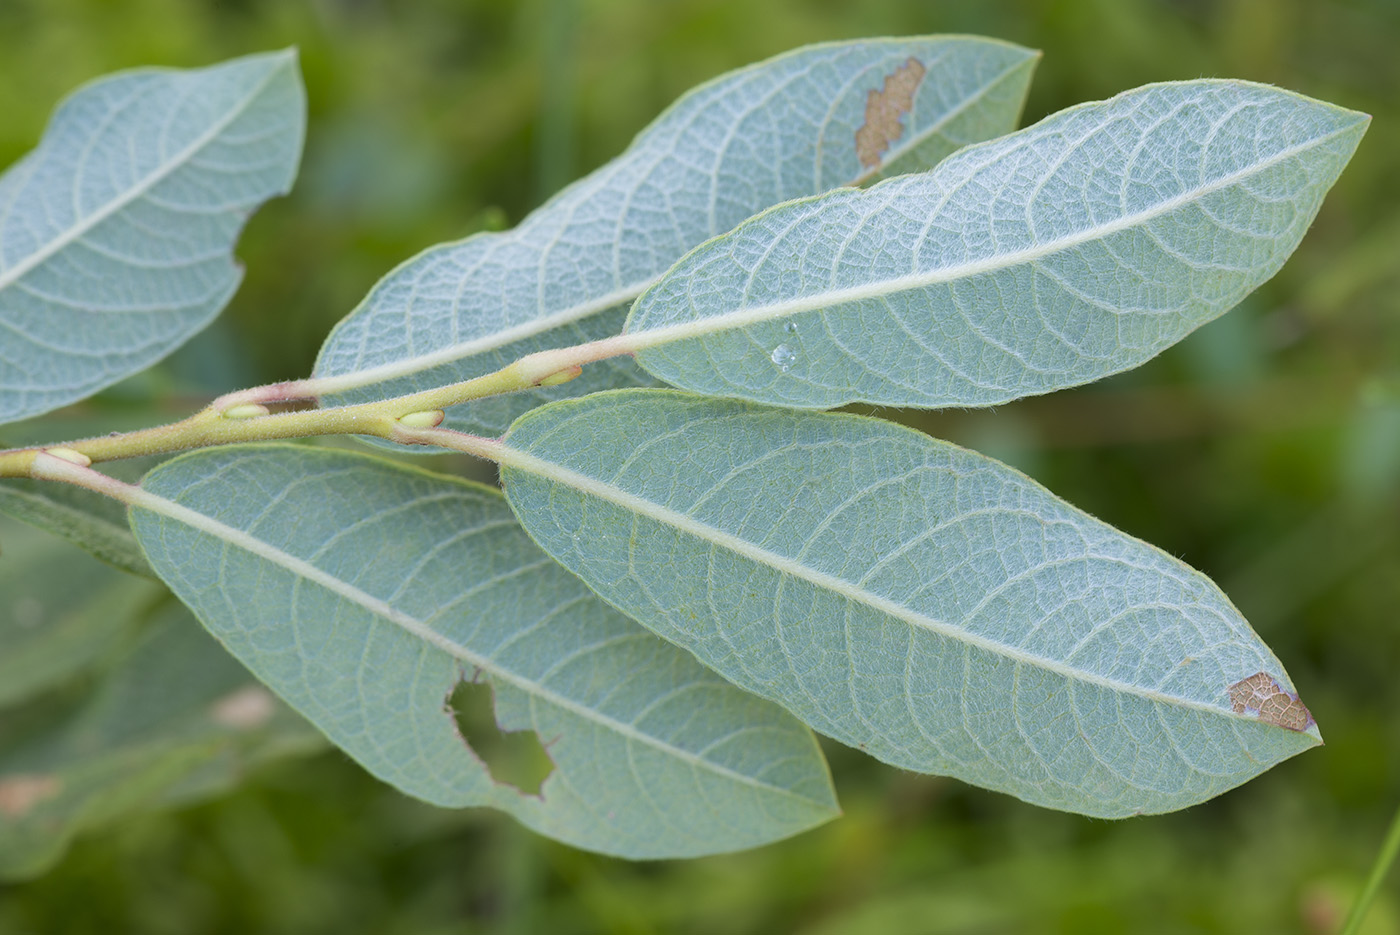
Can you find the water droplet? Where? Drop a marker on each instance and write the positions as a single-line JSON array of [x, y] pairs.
[[790, 327], [783, 356]]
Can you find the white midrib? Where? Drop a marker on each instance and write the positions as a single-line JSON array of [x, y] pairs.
[[728, 321], [70, 236], [139, 497], [515, 458], [498, 339]]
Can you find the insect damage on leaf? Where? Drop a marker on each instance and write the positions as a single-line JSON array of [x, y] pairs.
[[1262, 696], [884, 109], [515, 758], [19, 794], [247, 708]]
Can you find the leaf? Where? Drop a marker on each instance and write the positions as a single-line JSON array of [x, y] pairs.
[[1076, 248], [363, 593], [780, 129], [88, 520], [160, 719], [903, 595], [93, 522], [60, 611], [115, 233]]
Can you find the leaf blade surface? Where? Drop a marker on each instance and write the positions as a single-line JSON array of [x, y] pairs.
[[1076, 248], [116, 231], [903, 595], [776, 130], [363, 592]]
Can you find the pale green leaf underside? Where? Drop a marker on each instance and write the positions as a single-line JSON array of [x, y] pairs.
[[1076, 248], [175, 719], [362, 592], [903, 595], [116, 232], [777, 130], [60, 611]]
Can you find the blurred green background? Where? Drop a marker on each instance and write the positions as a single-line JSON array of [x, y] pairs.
[[1264, 450]]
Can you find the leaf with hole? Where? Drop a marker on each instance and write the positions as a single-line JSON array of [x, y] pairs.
[[116, 232], [364, 593], [784, 128], [1073, 249], [905, 596]]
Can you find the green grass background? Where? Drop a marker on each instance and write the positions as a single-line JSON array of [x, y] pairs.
[[1264, 450]]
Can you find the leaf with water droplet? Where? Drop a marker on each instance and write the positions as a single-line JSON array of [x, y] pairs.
[[780, 129], [1073, 249]]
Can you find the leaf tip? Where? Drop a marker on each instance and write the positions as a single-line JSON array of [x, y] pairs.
[[291, 55]]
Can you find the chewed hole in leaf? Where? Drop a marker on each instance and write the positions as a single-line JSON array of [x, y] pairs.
[[1262, 696], [19, 794], [516, 758], [884, 109]]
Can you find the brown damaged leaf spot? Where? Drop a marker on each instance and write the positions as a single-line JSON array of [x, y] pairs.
[[884, 109], [247, 708], [1262, 696], [19, 794]]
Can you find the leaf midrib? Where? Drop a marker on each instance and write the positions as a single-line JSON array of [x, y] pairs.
[[497, 339], [652, 337], [552, 471], [73, 234], [139, 497]]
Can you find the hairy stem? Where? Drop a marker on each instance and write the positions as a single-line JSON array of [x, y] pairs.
[[209, 427], [240, 416], [59, 467]]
